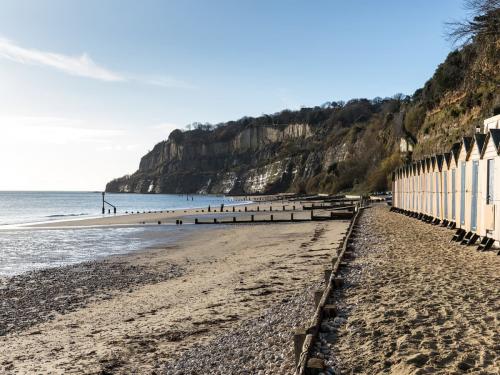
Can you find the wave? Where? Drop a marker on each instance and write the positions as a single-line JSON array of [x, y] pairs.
[[67, 215]]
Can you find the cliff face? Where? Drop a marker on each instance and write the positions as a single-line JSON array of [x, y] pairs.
[[202, 162], [335, 147]]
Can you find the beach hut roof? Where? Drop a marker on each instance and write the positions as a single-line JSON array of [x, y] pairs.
[[439, 162], [455, 150], [466, 143], [494, 135], [420, 165], [428, 163], [447, 158], [479, 140]]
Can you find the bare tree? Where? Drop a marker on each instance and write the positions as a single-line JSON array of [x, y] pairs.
[[484, 20]]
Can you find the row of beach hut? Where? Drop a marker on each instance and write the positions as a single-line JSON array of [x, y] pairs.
[[460, 188]]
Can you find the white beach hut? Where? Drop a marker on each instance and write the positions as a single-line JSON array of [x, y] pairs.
[[445, 192], [462, 195], [453, 183], [427, 186], [489, 178], [438, 187], [472, 181]]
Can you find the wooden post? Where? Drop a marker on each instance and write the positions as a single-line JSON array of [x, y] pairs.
[[234, 219], [246, 208], [252, 218], [329, 311], [315, 366], [196, 221], [258, 208], [328, 273], [103, 210], [291, 216], [294, 208], [271, 217], [317, 297], [312, 215], [299, 336], [283, 208], [233, 208], [215, 220]]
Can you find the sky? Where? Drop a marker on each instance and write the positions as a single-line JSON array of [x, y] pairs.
[[88, 87]]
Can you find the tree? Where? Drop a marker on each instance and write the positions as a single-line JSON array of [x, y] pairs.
[[484, 20]]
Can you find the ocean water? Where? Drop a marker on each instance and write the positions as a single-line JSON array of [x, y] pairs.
[[18, 207], [24, 249]]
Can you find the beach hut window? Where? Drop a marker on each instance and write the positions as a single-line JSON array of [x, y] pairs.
[[473, 212], [462, 193], [453, 194], [490, 186]]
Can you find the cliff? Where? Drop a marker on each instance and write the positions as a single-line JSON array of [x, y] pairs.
[[334, 147]]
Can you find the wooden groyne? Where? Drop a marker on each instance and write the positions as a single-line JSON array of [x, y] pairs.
[[305, 338], [272, 219]]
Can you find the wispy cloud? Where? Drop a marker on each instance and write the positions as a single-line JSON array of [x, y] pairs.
[[82, 66], [52, 130]]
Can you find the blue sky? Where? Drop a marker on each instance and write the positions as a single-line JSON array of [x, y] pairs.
[[88, 87]]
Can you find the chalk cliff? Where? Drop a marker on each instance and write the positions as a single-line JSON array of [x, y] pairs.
[[334, 147]]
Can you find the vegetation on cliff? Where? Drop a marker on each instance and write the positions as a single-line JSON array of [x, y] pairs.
[[337, 146]]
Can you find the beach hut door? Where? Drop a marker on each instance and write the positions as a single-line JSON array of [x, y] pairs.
[[438, 203], [462, 193], [453, 194], [445, 194], [473, 213]]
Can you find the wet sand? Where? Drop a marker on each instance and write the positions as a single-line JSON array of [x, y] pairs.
[[146, 311], [414, 303], [187, 215]]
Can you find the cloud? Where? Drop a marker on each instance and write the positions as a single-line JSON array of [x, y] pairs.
[[82, 66], [51, 130]]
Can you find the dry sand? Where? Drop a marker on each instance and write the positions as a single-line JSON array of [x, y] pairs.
[[230, 275], [414, 303]]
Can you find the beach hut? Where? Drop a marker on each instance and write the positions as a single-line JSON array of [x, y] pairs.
[[472, 183], [417, 186], [398, 188], [427, 187], [489, 178], [445, 194], [413, 187], [462, 195], [453, 182], [432, 186], [438, 187], [408, 187]]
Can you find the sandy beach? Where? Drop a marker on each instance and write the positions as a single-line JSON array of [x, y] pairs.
[[188, 216], [414, 303], [149, 311]]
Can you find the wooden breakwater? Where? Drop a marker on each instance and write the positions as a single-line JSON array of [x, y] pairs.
[[334, 215], [305, 338]]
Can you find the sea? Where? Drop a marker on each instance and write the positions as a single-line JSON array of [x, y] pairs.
[[24, 249]]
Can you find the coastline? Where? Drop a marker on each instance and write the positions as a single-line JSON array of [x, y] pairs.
[[161, 302], [170, 216]]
